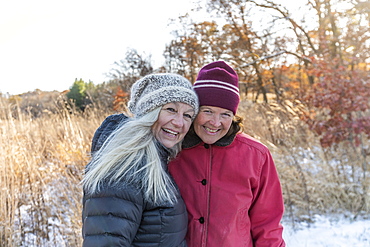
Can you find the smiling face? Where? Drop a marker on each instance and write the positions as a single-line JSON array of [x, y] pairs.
[[173, 123], [212, 123]]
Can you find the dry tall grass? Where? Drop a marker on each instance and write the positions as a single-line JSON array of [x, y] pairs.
[[42, 160], [41, 163]]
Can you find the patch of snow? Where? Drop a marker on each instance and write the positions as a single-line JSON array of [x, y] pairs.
[[329, 232]]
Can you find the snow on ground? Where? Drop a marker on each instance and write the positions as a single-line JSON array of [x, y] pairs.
[[328, 232]]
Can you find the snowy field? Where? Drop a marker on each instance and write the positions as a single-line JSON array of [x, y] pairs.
[[329, 232], [325, 232]]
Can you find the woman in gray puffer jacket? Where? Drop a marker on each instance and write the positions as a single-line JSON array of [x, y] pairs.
[[129, 197]]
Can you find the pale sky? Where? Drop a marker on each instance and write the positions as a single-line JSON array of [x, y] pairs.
[[46, 44]]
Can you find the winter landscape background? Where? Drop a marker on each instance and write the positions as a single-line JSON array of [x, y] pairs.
[[304, 82]]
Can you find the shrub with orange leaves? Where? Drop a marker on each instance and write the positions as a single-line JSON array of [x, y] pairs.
[[120, 100]]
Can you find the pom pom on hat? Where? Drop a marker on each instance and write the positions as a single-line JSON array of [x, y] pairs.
[[156, 90], [217, 85]]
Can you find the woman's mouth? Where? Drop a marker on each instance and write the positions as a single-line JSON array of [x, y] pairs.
[[170, 131], [211, 130]]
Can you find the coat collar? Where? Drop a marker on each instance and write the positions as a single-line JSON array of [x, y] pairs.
[[164, 153]]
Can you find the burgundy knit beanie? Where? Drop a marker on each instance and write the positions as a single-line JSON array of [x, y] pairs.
[[217, 85]]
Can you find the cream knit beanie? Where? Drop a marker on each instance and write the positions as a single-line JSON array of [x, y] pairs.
[[156, 90]]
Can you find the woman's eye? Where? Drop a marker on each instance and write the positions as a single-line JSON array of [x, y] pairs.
[[207, 111], [170, 109], [226, 116], [188, 116]]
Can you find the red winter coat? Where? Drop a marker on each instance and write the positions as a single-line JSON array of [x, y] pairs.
[[232, 193]]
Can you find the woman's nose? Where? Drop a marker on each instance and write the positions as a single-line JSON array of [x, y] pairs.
[[178, 120], [215, 120]]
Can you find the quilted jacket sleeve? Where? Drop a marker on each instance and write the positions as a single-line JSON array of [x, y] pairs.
[[112, 216], [105, 129]]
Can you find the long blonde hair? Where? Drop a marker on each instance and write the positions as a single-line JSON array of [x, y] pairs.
[[131, 154]]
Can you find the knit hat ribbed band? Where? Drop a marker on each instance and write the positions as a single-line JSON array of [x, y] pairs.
[[218, 85], [156, 90]]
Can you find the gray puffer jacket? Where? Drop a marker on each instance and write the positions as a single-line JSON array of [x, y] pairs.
[[120, 216]]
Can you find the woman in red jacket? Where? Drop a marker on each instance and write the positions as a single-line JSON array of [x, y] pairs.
[[228, 179]]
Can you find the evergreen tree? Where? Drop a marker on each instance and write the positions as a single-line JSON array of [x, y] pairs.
[[77, 93]]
